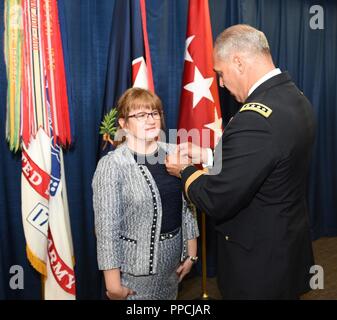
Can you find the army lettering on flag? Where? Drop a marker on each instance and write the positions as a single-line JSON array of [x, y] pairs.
[[38, 123], [46, 217], [60, 283]]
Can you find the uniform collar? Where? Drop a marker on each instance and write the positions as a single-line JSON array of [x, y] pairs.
[[266, 77], [271, 82]]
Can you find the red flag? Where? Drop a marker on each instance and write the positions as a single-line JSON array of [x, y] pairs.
[[199, 101]]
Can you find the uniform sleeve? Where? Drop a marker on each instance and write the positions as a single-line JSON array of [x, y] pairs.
[[107, 208], [190, 220], [246, 156]]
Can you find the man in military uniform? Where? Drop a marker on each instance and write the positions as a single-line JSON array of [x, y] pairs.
[[259, 197]]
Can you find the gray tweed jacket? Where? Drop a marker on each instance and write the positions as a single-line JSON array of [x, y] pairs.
[[128, 214]]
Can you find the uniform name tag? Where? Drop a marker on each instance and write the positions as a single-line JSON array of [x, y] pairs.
[[257, 107]]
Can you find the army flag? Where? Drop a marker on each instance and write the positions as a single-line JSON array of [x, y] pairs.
[[60, 281], [38, 122]]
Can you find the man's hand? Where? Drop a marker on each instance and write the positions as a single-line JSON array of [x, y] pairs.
[[175, 162], [196, 154], [120, 293]]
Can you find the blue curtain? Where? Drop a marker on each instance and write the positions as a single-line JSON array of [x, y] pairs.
[[309, 56], [86, 28]]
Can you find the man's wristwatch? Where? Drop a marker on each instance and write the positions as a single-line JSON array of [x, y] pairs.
[[194, 259]]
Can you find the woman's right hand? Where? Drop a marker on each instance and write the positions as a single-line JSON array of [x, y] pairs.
[[120, 293]]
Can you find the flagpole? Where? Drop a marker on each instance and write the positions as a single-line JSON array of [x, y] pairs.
[[203, 258], [204, 292], [199, 110]]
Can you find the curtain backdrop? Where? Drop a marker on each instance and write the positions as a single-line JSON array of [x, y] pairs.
[[309, 56]]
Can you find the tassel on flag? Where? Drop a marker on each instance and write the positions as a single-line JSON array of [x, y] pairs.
[[38, 123], [34, 55], [13, 42]]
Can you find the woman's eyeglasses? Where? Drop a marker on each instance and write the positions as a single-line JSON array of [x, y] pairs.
[[143, 116]]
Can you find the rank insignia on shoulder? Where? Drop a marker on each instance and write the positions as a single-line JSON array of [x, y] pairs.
[[257, 107]]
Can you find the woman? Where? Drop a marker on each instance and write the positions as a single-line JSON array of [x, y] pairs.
[[146, 233]]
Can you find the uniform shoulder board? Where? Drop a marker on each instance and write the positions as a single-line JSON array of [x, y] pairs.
[[257, 107]]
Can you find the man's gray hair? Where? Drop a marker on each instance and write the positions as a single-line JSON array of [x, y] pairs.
[[241, 38]]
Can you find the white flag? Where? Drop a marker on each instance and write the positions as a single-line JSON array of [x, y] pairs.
[[60, 283], [46, 217], [36, 165]]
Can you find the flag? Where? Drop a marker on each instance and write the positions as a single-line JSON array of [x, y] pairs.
[[40, 125], [199, 113], [129, 61], [60, 281], [45, 216], [199, 101], [35, 180]]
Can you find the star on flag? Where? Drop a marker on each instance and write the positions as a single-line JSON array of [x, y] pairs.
[[187, 44], [200, 87], [216, 126], [199, 99]]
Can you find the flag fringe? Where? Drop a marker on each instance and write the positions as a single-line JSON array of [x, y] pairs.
[[37, 263]]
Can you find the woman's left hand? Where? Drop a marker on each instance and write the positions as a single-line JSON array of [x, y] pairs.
[[184, 269]]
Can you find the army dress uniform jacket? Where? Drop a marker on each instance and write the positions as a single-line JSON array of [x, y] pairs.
[[128, 214], [259, 198]]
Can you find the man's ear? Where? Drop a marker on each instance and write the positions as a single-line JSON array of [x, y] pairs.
[[239, 63], [121, 122]]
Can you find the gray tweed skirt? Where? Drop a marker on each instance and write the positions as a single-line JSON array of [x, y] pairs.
[[164, 284]]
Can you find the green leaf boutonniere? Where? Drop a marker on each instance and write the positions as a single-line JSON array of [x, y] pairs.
[[108, 127]]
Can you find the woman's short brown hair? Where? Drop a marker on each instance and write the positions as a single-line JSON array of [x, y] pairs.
[[138, 98]]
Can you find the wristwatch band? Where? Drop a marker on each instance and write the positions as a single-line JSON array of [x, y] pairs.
[[194, 259]]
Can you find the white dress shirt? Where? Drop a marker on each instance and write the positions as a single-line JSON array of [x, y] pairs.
[[266, 77]]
